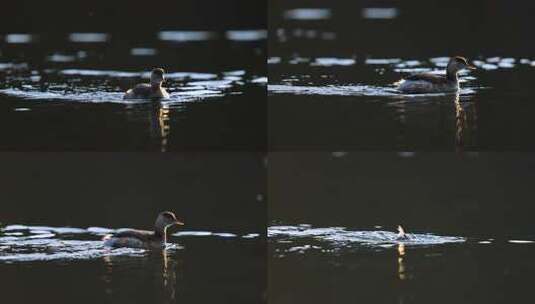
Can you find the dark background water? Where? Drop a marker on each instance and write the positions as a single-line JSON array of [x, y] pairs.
[[218, 192], [479, 196], [498, 112], [236, 120]]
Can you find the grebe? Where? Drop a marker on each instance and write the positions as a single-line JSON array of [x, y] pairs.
[[142, 238], [401, 234], [149, 91], [432, 83]]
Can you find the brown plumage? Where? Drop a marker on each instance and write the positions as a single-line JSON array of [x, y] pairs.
[[154, 90], [142, 238], [433, 83]]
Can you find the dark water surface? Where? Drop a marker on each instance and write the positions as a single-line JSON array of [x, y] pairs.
[[61, 82], [56, 208], [333, 218], [332, 67]]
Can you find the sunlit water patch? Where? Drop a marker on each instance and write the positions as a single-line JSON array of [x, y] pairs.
[[332, 90], [22, 243], [308, 14], [332, 76], [20, 38], [89, 37], [332, 61], [102, 86], [380, 12], [186, 36], [143, 52], [246, 35], [303, 237]]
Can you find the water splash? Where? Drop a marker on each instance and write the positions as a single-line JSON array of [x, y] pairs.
[[340, 237]]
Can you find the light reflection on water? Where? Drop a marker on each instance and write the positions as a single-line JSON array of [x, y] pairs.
[[182, 86], [89, 37], [372, 80], [308, 14], [20, 38], [380, 12], [167, 262], [233, 35], [21, 243], [337, 238], [186, 36], [246, 35], [338, 246], [288, 239], [143, 52]]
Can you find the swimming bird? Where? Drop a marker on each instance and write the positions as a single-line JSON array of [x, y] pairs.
[[432, 83], [154, 90], [401, 234], [142, 238]]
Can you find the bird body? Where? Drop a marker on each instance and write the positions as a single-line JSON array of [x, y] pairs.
[[154, 90], [142, 238], [433, 83]]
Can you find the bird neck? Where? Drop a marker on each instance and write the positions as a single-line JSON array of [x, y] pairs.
[[155, 86], [161, 233], [451, 73]]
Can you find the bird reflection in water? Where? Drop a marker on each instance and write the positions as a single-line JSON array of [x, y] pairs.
[[165, 127], [403, 275], [164, 272], [160, 124], [460, 123], [401, 264], [465, 128], [169, 275]]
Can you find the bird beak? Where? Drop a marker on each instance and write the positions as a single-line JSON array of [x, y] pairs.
[[177, 222], [471, 67]]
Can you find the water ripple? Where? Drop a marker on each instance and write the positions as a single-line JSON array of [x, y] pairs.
[[102, 86], [330, 90], [23, 243], [339, 237]]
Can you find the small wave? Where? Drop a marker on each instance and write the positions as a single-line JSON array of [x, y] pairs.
[[24, 243], [340, 236], [521, 241], [349, 90], [213, 234], [355, 90], [50, 249], [182, 86], [331, 61], [142, 74]]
